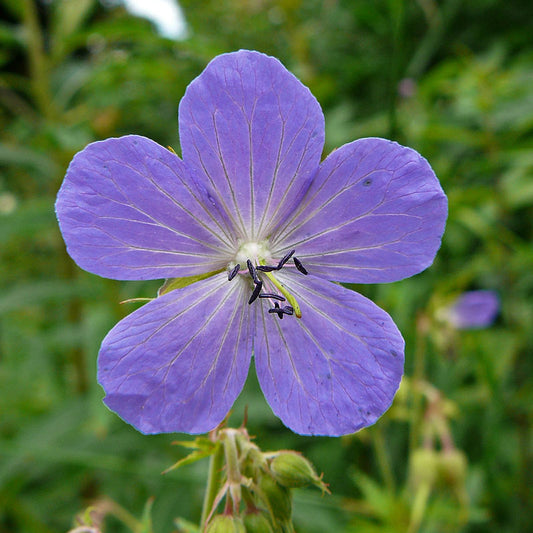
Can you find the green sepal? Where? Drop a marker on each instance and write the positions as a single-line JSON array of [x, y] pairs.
[[257, 522], [179, 283], [277, 499], [452, 467], [202, 447], [226, 524]]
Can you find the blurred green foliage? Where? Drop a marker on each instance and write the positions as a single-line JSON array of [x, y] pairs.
[[451, 79]]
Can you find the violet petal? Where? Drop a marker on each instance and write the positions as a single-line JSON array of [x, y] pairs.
[[256, 134], [179, 362], [128, 209], [474, 310], [337, 368], [375, 212]]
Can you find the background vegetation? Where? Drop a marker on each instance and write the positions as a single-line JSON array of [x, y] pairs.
[[453, 80]]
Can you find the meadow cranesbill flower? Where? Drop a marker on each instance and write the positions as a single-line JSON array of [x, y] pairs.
[[251, 215], [473, 310]]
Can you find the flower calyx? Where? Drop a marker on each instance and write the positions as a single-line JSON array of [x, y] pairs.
[[249, 488], [226, 524]]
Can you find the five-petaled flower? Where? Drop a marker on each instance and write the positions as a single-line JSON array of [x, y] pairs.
[[472, 310], [261, 225]]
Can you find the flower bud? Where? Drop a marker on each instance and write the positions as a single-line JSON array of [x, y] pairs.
[[252, 460], [225, 524], [452, 467], [292, 470], [257, 522], [277, 498], [424, 466]]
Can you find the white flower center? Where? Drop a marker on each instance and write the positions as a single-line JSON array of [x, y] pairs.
[[257, 252], [259, 266]]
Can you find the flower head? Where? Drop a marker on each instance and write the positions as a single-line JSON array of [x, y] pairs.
[[251, 213], [473, 310]]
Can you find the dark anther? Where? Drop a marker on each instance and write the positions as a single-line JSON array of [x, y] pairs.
[[232, 273], [252, 271], [280, 311], [273, 296], [286, 257], [276, 309], [257, 290], [299, 266], [265, 268]]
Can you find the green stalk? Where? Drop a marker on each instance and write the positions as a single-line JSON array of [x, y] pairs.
[[419, 507], [397, 17], [438, 23], [214, 478], [38, 60], [416, 381], [383, 458]]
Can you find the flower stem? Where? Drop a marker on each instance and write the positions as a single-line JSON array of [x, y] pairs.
[[382, 458], [38, 61], [233, 472], [214, 478], [416, 382], [397, 21], [419, 508]]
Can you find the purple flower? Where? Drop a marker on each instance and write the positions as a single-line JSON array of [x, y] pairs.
[[473, 310], [250, 189]]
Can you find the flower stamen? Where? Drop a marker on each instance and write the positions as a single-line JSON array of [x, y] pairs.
[[266, 268], [299, 266], [252, 271], [290, 298], [286, 310], [255, 264], [257, 290], [272, 296], [234, 271], [276, 309], [285, 258], [297, 263]]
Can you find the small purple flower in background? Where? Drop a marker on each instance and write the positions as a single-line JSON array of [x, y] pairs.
[[262, 225], [473, 310]]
